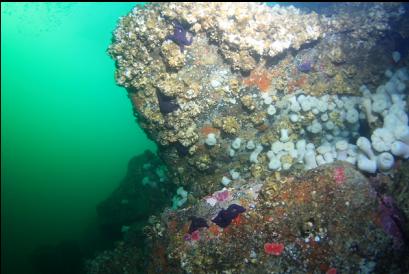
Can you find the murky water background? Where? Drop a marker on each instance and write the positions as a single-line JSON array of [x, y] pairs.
[[66, 129]]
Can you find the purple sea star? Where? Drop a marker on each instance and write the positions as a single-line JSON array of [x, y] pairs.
[[179, 37], [197, 223], [166, 103], [225, 216]]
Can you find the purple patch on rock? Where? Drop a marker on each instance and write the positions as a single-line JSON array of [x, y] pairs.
[[197, 223], [187, 237], [167, 104], [392, 220], [225, 216], [221, 195], [179, 37], [305, 66]]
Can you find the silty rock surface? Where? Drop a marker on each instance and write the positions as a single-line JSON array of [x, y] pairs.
[[323, 220]]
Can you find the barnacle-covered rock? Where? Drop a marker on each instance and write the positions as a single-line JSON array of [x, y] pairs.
[[201, 162], [240, 61], [336, 55], [170, 85], [248, 102], [188, 136], [230, 125], [173, 57], [258, 119], [236, 66]]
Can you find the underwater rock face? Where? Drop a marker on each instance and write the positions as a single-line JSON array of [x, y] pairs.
[[122, 259], [292, 86], [145, 190], [283, 109], [306, 224]]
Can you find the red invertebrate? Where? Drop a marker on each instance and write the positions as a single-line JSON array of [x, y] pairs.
[[214, 229], [195, 235], [339, 175], [273, 248]]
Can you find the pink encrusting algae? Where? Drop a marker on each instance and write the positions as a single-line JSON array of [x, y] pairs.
[[196, 235], [339, 175], [221, 195]]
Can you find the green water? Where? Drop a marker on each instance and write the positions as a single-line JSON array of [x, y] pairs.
[[67, 131]]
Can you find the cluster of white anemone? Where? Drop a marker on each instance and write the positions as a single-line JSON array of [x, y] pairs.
[[386, 143]]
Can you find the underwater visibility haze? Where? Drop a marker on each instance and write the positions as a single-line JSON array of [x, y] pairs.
[[67, 131], [205, 138]]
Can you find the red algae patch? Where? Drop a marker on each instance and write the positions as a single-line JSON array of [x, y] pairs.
[[196, 235], [331, 271], [273, 248]]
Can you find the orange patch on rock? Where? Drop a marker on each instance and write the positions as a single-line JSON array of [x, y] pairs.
[[301, 194], [262, 127], [268, 218], [303, 80], [185, 228], [214, 229], [297, 83], [260, 78], [172, 225], [238, 220], [284, 196], [280, 212], [207, 129]]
